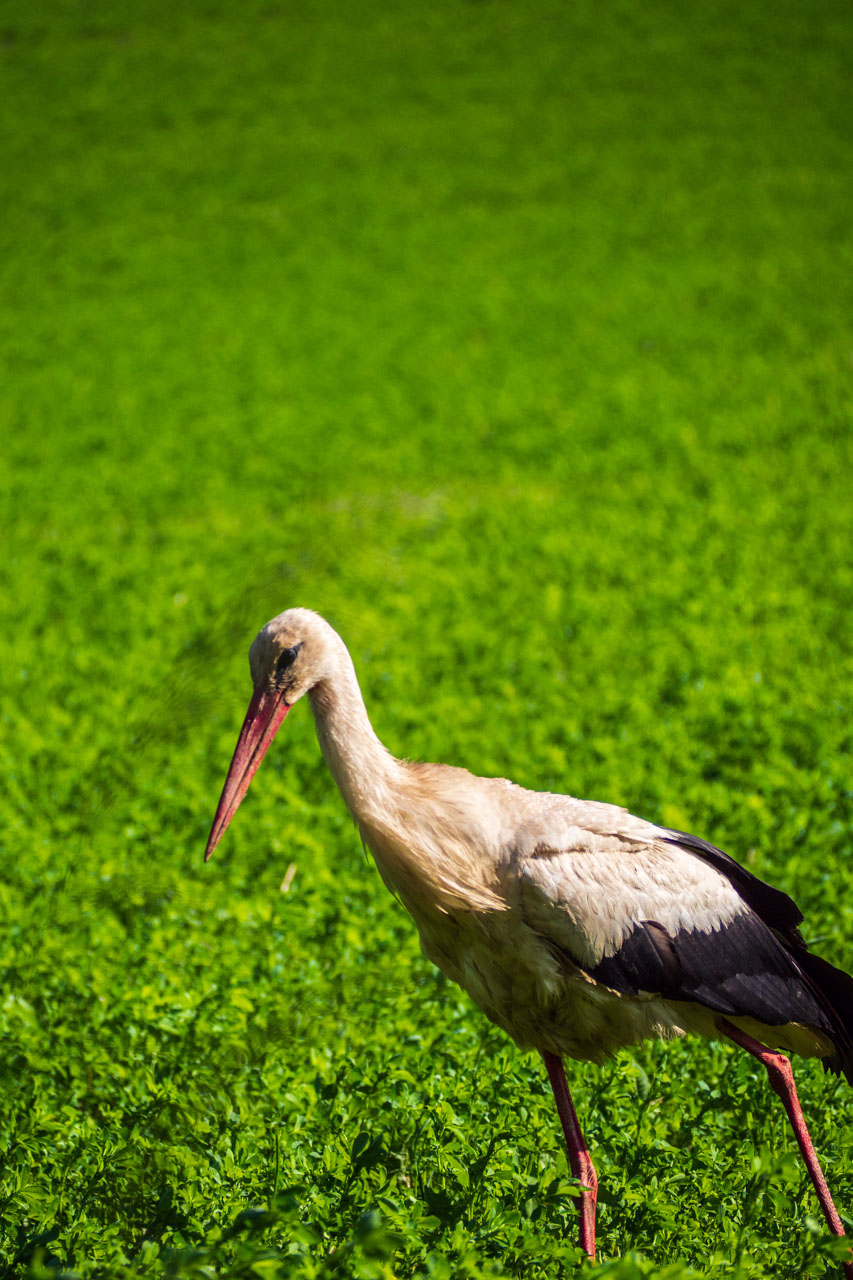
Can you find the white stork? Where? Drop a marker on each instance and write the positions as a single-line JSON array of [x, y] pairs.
[[575, 926]]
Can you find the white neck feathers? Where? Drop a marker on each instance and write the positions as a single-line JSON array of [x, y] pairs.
[[421, 829], [365, 771]]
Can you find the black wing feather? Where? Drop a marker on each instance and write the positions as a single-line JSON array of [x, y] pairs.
[[739, 970], [755, 966]]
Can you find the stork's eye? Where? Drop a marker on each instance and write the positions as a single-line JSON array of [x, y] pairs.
[[285, 658]]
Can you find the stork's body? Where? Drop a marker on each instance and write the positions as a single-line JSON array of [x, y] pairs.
[[575, 926]]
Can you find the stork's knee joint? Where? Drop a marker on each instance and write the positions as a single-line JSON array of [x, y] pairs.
[[779, 1072]]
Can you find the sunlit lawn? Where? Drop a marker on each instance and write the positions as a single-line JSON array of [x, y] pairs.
[[517, 341]]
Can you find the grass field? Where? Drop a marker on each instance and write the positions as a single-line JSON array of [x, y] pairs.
[[517, 340]]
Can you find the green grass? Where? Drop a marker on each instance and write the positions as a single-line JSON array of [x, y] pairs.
[[516, 340]]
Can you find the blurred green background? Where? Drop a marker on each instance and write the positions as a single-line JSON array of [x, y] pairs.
[[516, 339]]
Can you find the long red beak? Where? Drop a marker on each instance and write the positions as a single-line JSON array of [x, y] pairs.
[[263, 721]]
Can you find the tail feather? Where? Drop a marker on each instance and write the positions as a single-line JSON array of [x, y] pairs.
[[830, 988], [834, 989]]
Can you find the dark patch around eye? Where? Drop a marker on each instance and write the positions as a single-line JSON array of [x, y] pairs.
[[286, 658]]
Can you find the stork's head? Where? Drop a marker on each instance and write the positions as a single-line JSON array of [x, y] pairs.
[[289, 656], [293, 653]]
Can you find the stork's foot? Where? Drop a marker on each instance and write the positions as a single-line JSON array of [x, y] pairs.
[[781, 1077], [579, 1158]]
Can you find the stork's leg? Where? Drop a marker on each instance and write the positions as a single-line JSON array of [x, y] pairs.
[[579, 1161], [782, 1082]]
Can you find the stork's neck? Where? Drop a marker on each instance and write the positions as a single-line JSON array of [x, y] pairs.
[[430, 845], [366, 773]]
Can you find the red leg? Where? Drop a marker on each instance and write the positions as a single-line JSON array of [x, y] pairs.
[[781, 1079], [579, 1160]]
